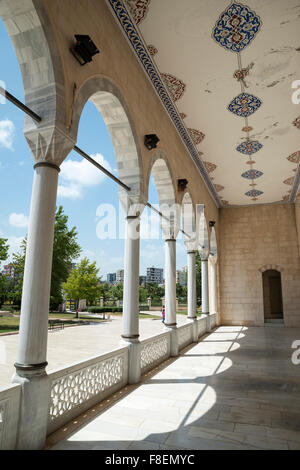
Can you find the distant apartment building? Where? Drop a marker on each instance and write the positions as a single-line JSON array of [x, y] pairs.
[[9, 270], [111, 278], [120, 276], [155, 275], [181, 277]]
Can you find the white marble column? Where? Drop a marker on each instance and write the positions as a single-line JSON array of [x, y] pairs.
[[214, 291], [32, 346], [192, 293], [204, 290], [170, 293], [130, 333]]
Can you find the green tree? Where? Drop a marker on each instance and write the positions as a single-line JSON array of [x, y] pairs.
[[18, 263], [65, 250], [3, 249], [143, 294], [116, 291], [3, 279], [83, 282]]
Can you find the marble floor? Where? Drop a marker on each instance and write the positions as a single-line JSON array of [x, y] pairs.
[[235, 389]]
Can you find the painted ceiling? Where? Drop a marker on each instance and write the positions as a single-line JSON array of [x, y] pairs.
[[229, 69]]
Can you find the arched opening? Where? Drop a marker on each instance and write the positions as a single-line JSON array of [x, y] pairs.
[[272, 294]]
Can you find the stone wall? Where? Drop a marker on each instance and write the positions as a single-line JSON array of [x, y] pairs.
[[252, 240]]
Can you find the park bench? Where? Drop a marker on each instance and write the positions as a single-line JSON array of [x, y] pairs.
[[56, 324]]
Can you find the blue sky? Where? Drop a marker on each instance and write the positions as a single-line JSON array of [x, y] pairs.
[[81, 189]]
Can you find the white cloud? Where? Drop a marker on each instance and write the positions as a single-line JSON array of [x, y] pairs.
[[6, 133], [14, 245], [77, 175], [18, 220]]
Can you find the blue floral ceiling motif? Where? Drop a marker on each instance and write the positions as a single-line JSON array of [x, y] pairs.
[[236, 27], [249, 147], [244, 105], [254, 193], [252, 174]]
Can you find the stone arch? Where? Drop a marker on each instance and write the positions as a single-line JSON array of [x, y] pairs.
[[166, 193], [213, 245], [268, 267], [189, 220], [109, 101], [30, 31], [203, 234]]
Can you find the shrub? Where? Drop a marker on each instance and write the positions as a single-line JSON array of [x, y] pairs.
[[104, 309]]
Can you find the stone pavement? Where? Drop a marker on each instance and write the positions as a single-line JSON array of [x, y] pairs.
[[76, 343], [235, 389]]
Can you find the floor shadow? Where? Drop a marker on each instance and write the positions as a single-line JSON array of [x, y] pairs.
[[249, 396]]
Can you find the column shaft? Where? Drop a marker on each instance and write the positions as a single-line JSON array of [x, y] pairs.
[[170, 293], [131, 297], [204, 287], [32, 347], [191, 278]]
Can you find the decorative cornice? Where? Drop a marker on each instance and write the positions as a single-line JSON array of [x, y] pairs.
[[140, 48]]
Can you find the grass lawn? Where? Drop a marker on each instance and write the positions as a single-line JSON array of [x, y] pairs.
[[11, 324]]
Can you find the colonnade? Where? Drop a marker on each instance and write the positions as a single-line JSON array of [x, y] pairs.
[[32, 348]]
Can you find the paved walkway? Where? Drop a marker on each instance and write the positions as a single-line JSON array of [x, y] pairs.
[[76, 343], [235, 389]]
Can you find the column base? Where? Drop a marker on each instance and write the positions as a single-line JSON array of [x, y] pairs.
[[194, 322], [208, 325], [34, 407], [134, 359], [174, 348]]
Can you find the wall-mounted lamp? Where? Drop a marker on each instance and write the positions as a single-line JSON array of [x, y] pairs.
[[212, 223], [151, 141], [182, 184], [84, 49]]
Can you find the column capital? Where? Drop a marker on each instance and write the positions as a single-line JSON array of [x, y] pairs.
[[170, 240], [191, 252]]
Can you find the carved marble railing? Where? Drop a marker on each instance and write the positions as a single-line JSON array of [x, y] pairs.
[[202, 326], [185, 335], [213, 320], [154, 350], [9, 416], [76, 388]]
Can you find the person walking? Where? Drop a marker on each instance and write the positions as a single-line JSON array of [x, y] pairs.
[[163, 314]]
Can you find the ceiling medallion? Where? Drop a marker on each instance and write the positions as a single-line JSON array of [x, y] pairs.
[[152, 50], [236, 27], [253, 184], [138, 9], [244, 105], [250, 162], [218, 187], [253, 193], [252, 174], [175, 86], [297, 122], [249, 147], [247, 129], [289, 181], [210, 167], [196, 136], [294, 158]]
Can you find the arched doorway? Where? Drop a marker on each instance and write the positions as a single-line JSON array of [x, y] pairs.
[[272, 290]]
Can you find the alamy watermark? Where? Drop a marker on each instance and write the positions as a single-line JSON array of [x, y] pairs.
[[296, 94], [296, 353]]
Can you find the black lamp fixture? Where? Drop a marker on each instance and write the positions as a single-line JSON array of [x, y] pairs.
[[151, 141], [182, 184], [212, 223], [84, 49]]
